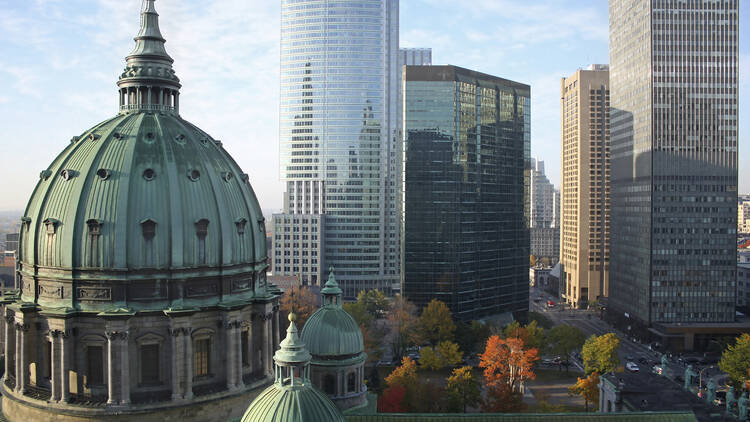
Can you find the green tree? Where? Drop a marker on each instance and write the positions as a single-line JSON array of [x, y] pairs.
[[735, 361], [446, 353], [600, 353], [588, 388], [472, 337], [436, 322], [463, 389], [358, 311], [532, 334], [374, 301], [562, 340], [403, 322]]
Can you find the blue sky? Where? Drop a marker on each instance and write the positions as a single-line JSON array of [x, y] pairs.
[[59, 61]]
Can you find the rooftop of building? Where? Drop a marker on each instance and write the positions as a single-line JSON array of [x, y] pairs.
[[459, 74], [522, 417], [648, 392]]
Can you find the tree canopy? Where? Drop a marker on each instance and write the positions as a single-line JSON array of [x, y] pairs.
[[506, 361], [446, 353], [300, 300], [735, 361], [562, 340], [403, 322], [436, 322], [588, 388], [374, 301], [600, 353], [463, 389]]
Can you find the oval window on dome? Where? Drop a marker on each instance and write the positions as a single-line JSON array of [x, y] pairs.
[[67, 174], [117, 135], [194, 175], [103, 174], [227, 176], [180, 139], [149, 174]]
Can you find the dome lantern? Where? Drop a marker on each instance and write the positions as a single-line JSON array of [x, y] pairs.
[[292, 359], [148, 81], [331, 291]]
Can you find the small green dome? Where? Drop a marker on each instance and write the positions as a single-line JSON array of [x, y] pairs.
[[301, 403], [331, 331]]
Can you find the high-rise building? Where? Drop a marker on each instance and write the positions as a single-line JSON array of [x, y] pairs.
[[339, 137], [11, 242], [544, 234], [466, 148], [584, 132], [743, 214], [673, 78]]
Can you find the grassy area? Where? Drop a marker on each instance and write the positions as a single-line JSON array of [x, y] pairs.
[[540, 319], [544, 375]]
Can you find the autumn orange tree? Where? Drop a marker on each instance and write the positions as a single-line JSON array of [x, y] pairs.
[[532, 334], [403, 376], [300, 300], [507, 361], [588, 388]]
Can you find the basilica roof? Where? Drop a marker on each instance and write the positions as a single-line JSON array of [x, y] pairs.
[[145, 195]]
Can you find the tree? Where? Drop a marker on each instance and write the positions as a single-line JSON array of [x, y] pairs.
[[436, 322], [392, 400], [471, 337], [505, 361], [300, 300], [531, 334], [404, 375], [403, 322], [562, 340], [532, 261], [372, 337], [374, 301], [446, 353], [600, 353], [502, 399], [735, 361], [358, 311], [588, 388], [463, 389]]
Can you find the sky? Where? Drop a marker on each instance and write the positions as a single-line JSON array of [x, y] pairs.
[[60, 59]]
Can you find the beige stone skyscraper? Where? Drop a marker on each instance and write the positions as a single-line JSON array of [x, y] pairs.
[[584, 233]]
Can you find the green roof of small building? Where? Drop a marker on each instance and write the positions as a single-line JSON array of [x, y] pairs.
[[292, 397], [331, 331]]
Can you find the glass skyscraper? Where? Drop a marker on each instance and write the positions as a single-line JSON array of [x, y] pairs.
[[673, 78], [338, 134], [465, 236]]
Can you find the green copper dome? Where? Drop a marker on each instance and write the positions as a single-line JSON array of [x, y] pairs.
[[292, 397], [331, 331], [143, 210]]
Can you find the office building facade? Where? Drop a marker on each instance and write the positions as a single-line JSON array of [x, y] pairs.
[[338, 134], [466, 149], [585, 202], [673, 76], [544, 233]]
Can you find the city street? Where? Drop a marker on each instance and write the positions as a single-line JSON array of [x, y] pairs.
[[630, 351]]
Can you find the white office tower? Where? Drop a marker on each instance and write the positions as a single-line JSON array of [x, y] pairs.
[[338, 127]]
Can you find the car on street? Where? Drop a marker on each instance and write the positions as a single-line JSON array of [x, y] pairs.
[[632, 367], [550, 304]]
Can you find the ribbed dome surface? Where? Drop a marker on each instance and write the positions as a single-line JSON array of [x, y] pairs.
[[303, 403], [331, 331], [143, 195]]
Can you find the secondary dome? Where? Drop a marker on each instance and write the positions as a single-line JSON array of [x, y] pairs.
[[331, 331], [143, 209], [292, 397]]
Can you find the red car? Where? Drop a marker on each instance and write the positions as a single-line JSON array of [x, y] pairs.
[[550, 304]]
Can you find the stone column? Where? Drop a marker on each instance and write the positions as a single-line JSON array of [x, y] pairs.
[[266, 344], [54, 370], [230, 352], [276, 328], [240, 369], [10, 335], [125, 369], [176, 351], [21, 370], [149, 94], [177, 101], [111, 375], [65, 356], [188, 366]]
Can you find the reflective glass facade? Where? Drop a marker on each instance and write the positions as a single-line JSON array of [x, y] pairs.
[[466, 154], [337, 134], [673, 75]]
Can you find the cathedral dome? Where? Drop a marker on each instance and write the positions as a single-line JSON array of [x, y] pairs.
[[331, 331], [292, 397], [144, 208]]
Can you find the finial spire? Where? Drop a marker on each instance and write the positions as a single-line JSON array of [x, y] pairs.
[[331, 291], [149, 82]]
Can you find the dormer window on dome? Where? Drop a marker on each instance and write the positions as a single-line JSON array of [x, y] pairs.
[[240, 223], [148, 228]]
